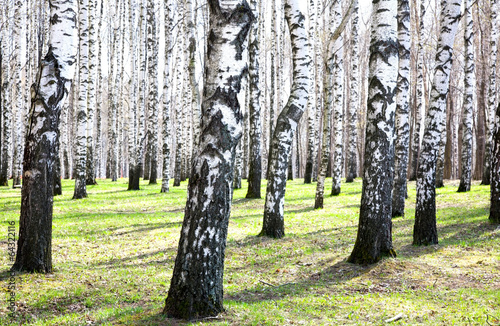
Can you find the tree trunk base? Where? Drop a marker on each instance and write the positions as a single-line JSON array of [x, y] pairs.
[[335, 191], [359, 257], [188, 308]]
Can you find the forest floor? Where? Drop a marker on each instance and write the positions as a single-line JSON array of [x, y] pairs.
[[114, 252]]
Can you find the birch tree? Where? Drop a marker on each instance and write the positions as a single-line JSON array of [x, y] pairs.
[[255, 130], [425, 230], [196, 287], [166, 98], [153, 90], [92, 92], [352, 119], [338, 110], [6, 97], [495, 172], [81, 114], [281, 143], [374, 239], [34, 252], [402, 126], [468, 107], [492, 93], [415, 145]]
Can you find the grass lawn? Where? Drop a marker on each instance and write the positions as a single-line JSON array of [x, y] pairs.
[[113, 256]]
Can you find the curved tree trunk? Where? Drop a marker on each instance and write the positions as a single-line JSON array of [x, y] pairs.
[[34, 247], [469, 82], [425, 229], [374, 239], [281, 143], [196, 287], [402, 126]]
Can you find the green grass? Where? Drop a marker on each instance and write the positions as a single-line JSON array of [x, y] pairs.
[[114, 251]]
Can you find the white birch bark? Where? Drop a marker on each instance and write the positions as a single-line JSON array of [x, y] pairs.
[[166, 97], [18, 105], [492, 92], [281, 143], [81, 114], [468, 106], [415, 147], [196, 288], [402, 126], [6, 97], [338, 110], [374, 239], [255, 128], [92, 92], [99, 97], [133, 174], [152, 90], [48, 96], [425, 230], [352, 119]]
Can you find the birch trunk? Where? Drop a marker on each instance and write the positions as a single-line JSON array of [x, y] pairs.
[[81, 114], [166, 98], [312, 104], [425, 230], [338, 110], [255, 131], [495, 172], [6, 100], [281, 143], [402, 126], [153, 91], [92, 92], [18, 109], [352, 157], [374, 239], [468, 107], [196, 289], [415, 145], [492, 93], [34, 247]]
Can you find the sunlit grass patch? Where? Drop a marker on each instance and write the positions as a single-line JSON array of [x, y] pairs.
[[114, 252]]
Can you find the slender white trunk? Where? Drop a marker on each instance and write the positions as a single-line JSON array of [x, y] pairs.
[[81, 114], [425, 230], [402, 126], [281, 143]]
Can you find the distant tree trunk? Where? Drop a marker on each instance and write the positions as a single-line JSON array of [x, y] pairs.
[[153, 90], [142, 94], [442, 147], [92, 92], [195, 105], [6, 101], [281, 143], [495, 172], [402, 126], [469, 82], [311, 105], [352, 157], [492, 93], [81, 119], [325, 143], [238, 167], [19, 22], [34, 247], [415, 145], [425, 230], [374, 239], [179, 116], [99, 97], [338, 110], [255, 130], [196, 289], [166, 98]]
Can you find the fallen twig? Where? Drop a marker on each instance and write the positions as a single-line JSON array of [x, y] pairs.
[[269, 284], [395, 318]]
